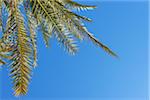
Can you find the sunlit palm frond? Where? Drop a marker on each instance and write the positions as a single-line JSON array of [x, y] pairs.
[[33, 35], [74, 5], [47, 10], [47, 30], [21, 61], [18, 45]]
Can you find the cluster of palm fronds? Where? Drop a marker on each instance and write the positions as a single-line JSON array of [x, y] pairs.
[[18, 42]]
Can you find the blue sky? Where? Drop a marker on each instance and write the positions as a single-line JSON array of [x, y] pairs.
[[92, 74]]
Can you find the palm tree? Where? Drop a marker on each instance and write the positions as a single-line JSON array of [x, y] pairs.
[[24, 17]]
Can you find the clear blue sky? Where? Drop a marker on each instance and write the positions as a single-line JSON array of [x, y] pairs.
[[92, 74]]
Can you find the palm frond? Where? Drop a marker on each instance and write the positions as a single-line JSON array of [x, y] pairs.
[[33, 35], [74, 5], [75, 20], [18, 45], [48, 14], [97, 42], [66, 39], [21, 61], [47, 30]]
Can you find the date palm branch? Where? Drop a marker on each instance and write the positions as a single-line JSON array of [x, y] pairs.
[[18, 46]]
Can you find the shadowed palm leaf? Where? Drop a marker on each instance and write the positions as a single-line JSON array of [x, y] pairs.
[[55, 18]]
